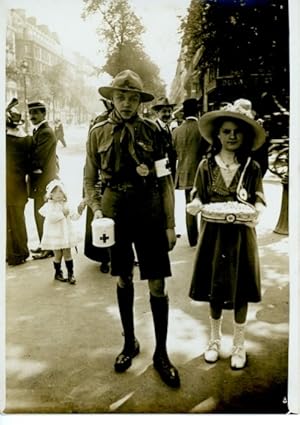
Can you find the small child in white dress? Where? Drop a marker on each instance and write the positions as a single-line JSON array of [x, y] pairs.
[[59, 233]]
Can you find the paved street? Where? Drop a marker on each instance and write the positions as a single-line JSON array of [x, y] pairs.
[[62, 340]]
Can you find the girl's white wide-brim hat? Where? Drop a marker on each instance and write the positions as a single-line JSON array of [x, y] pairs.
[[52, 185], [241, 109]]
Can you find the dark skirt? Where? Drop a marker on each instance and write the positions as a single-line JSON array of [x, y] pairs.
[[92, 252], [226, 270], [16, 236]]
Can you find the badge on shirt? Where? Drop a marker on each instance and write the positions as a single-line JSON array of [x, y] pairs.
[[142, 170], [243, 194]]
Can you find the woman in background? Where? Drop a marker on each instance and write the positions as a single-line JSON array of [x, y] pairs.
[[18, 149]]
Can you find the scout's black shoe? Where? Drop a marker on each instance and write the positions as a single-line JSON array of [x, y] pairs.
[[166, 370], [124, 359]]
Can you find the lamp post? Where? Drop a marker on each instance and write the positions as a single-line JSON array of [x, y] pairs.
[[24, 68]]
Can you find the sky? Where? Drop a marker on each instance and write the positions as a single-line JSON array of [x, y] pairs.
[[159, 17]]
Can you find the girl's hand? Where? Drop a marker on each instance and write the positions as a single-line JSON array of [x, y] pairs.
[[66, 211], [259, 207], [194, 207], [81, 207]]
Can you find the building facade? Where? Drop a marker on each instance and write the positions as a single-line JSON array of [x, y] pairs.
[[33, 52]]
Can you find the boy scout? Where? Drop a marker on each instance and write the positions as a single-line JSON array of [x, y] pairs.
[[127, 151]]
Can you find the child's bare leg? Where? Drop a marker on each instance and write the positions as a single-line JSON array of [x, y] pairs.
[[66, 252], [58, 253]]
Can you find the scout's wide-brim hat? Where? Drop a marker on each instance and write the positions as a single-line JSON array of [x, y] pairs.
[[126, 81], [36, 104], [241, 110], [162, 102]]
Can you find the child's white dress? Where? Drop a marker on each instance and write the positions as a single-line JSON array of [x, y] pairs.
[[59, 232]]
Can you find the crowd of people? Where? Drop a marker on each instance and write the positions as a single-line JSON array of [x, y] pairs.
[[132, 168]]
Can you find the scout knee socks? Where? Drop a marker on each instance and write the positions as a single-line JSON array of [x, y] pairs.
[[125, 296]]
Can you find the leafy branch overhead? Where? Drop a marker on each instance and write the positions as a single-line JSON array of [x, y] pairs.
[[121, 30]]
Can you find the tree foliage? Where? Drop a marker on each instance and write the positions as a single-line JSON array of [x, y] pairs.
[[121, 30], [244, 36]]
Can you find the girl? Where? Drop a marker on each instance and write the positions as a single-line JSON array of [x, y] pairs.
[[226, 271], [59, 234]]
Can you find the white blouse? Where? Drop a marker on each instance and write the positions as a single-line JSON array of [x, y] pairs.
[[227, 171]]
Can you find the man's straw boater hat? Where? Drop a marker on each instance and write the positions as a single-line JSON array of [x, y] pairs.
[[126, 81], [36, 104], [163, 102], [241, 110]]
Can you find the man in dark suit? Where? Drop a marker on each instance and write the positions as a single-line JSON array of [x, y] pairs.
[[43, 165], [190, 148], [59, 132], [163, 110]]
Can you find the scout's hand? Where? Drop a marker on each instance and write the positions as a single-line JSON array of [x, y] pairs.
[[194, 207], [98, 214], [171, 235]]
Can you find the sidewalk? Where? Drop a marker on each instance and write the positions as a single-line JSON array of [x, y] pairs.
[[62, 340]]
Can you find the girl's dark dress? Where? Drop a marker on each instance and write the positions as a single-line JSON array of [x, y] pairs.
[[226, 269]]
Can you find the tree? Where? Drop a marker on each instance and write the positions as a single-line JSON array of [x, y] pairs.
[[239, 36], [56, 78], [121, 30]]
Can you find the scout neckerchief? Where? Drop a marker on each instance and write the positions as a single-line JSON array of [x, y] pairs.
[[127, 133]]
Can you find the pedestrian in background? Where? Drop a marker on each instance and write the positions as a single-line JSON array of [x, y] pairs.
[[127, 150], [177, 118], [226, 270], [59, 235], [163, 109], [59, 132], [44, 166], [190, 148], [18, 151]]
